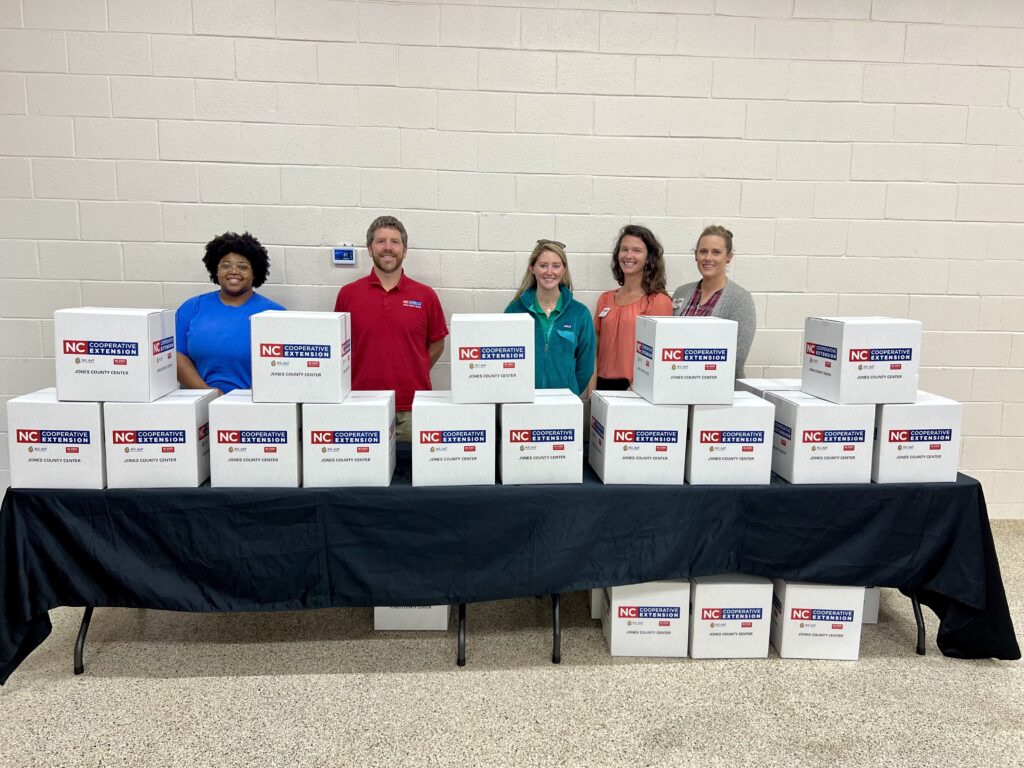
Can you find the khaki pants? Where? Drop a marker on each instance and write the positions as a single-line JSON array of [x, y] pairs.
[[403, 426]]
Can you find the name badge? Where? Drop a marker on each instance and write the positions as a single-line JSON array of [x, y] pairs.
[[605, 311]]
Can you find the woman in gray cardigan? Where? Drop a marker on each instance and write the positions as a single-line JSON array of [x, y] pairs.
[[715, 294]]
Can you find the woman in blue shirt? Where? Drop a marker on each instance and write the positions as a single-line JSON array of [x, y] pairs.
[[563, 329], [213, 328]]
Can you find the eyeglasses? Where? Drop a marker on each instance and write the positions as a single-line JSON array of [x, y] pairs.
[[545, 241], [227, 266]]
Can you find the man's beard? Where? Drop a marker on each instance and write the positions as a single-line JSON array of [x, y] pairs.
[[392, 267]]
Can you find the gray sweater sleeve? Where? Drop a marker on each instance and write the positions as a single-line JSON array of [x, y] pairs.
[[737, 304]]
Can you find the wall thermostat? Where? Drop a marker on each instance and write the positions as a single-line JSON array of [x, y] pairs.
[[345, 255]]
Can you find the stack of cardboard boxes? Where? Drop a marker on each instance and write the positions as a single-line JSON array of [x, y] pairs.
[[301, 384], [116, 417], [683, 422], [858, 418], [855, 416], [494, 410]]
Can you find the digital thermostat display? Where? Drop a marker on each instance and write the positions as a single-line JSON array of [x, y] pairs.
[[345, 256]]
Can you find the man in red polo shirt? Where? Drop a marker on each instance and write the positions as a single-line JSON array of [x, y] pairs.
[[398, 325]]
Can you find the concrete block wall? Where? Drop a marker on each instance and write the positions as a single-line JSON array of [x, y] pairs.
[[868, 155]]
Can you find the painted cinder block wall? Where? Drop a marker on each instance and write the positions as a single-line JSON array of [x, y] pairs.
[[868, 155]]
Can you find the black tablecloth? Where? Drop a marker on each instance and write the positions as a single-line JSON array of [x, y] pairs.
[[220, 549]]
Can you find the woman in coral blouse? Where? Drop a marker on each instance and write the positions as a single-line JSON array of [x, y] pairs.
[[638, 266]]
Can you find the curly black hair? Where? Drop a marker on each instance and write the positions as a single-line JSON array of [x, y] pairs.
[[246, 246]]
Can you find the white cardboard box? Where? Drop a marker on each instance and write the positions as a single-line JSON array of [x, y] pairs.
[[816, 621], [542, 441], [683, 360], [820, 442], [492, 358], [54, 444], [403, 617], [254, 444], [351, 443], [760, 386], [917, 442], [730, 444], [861, 359], [301, 357], [650, 619], [452, 444], [596, 603], [163, 444], [633, 441], [730, 616], [125, 355]]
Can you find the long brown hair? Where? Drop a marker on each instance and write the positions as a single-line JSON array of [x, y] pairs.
[[529, 281], [653, 280]]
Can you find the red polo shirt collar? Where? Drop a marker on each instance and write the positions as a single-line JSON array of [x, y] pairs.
[[375, 280]]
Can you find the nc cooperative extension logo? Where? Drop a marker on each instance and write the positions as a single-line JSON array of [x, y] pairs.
[[148, 436], [163, 345], [646, 436], [302, 351], [882, 355], [452, 436], [53, 436], [596, 427], [361, 437], [821, 614], [730, 614], [731, 436], [920, 435], [483, 354], [833, 436], [109, 348], [648, 612], [821, 350], [694, 355], [541, 435], [252, 436]]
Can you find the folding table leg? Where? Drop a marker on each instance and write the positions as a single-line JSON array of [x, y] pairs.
[[919, 618], [461, 660], [556, 629], [80, 642]]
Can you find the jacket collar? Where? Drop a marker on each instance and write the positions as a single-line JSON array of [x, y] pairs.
[[529, 298]]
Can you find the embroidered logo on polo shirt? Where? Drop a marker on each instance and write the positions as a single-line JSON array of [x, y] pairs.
[[412, 303]]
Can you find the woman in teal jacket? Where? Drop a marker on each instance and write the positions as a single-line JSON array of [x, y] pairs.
[[563, 329]]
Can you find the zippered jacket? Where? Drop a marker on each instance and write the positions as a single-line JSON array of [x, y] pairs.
[[565, 359]]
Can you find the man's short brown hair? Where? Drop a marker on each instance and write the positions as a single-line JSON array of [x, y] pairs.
[[387, 222]]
